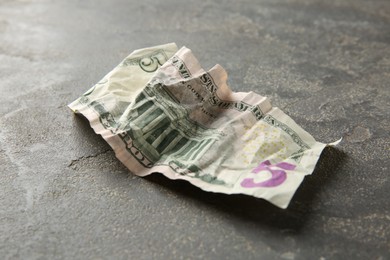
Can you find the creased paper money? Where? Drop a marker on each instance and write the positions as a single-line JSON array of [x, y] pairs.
[[161, 112]]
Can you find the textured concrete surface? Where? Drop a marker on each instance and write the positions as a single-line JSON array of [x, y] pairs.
[[63, 194]]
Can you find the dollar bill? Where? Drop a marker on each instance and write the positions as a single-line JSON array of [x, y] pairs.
[[161, 111]]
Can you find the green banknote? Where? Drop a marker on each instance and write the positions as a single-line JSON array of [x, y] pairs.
[[161, 112]]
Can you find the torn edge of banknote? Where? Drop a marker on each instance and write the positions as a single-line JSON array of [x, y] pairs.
[[161, 112]]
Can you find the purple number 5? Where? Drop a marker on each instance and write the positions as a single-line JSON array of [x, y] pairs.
[[276, 170]]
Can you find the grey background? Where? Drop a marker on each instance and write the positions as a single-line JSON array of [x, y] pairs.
[[63, 194]]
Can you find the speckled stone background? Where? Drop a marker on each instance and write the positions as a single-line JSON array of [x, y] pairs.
[[63, 194]]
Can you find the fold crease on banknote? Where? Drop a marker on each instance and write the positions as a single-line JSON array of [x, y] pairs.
[[160, 111]]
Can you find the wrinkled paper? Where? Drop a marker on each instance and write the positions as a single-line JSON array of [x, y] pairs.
[[161, 112]]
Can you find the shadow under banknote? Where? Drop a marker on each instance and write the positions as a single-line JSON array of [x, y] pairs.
[[85, 136], [259, 211]]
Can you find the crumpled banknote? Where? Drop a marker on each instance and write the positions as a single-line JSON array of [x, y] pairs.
[[160, 111]]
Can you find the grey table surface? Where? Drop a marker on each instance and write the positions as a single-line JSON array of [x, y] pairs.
[[64, 195]]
